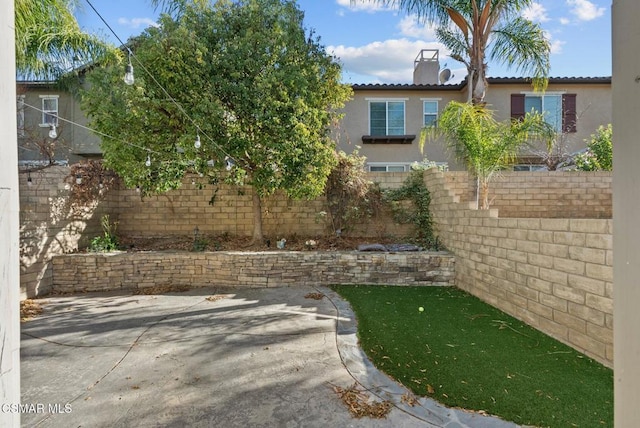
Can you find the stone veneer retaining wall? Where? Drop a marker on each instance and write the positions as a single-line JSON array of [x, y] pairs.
[[131, 271], [554, 274]]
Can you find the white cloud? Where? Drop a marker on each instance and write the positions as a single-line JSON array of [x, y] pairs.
[[410, 26], [364, 5], [535, 12], [389, 61], [137, 22], [556, 46], [565, 21], [584, 10]]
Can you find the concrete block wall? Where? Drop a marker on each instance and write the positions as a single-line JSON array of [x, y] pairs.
[[221, 208], [554, 274], [132, 271], [542, 194], [49, 225]]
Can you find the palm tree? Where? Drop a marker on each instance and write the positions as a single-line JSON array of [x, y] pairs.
[[485, 27], [49, 41], [483, 144]]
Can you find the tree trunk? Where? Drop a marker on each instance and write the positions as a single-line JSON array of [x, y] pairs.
[[484, 195], [257, 219]]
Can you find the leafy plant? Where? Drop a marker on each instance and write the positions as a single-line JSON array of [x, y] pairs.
[[247, 77], [108, 241], [485, 145], [599, 154], [415, 191]]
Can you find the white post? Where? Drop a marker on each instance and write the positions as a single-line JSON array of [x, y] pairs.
[[626, 206], [9, 224]]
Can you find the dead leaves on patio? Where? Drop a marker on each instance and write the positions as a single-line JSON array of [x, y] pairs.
[[29, 309], [359, 403], [315, 296], [161, 289]]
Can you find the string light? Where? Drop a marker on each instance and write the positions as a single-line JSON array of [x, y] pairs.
[[197, 144], [148, 162], [128, 72], [29, 180], [78, 179], [53, 133]]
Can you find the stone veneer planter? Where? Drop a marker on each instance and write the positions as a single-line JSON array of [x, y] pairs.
[[130, 271]]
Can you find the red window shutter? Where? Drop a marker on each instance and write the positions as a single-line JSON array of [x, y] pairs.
[[569, 113], [517, 106]]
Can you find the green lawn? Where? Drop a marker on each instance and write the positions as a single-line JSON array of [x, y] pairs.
[[465, 353]]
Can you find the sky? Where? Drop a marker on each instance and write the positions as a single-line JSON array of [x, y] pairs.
[[377, 44]]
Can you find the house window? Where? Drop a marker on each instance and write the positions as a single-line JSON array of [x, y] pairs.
[[559, 110], [378, 167], [529, 168], [49, 110], [430, 112], [386, 118], [20, 115]]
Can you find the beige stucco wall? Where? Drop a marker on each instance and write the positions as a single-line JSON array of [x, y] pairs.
[[593, 106], [73, 142], [593, 110], [626, 112], [355, 124]]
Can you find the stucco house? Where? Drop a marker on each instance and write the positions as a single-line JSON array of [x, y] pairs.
[[385, 120], [51, 126], [382, 120]]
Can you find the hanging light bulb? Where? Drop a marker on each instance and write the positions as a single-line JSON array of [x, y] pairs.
[[29, 180], [137, 189], [100, 183], [128, 73], [228, 162], [197, 144], [78, 179], [53, 133], [148, 161]]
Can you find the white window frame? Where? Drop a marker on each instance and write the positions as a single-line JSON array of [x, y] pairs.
[[46, 112], [388, 165], [544, 110], [529, 167], [424, 113], [387, 101]]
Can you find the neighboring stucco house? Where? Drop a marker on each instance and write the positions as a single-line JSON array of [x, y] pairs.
[[51, 126], [385, 120]]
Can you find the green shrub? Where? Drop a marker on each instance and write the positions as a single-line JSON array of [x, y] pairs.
[[599, 154], [108, 241]]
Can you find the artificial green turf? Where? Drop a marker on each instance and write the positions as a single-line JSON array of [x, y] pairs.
[[465, 353]]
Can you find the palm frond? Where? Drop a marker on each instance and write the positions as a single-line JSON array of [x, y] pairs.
[[522, 44]]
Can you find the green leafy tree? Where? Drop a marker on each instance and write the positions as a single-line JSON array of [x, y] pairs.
[[599, 154], [476, 29], [50, 43], [247, 79], [485, 145]]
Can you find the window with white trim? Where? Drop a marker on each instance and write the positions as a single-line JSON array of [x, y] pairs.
[[549, 105], [430, 112], [49, 110], [379, 167], [386, 118]]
